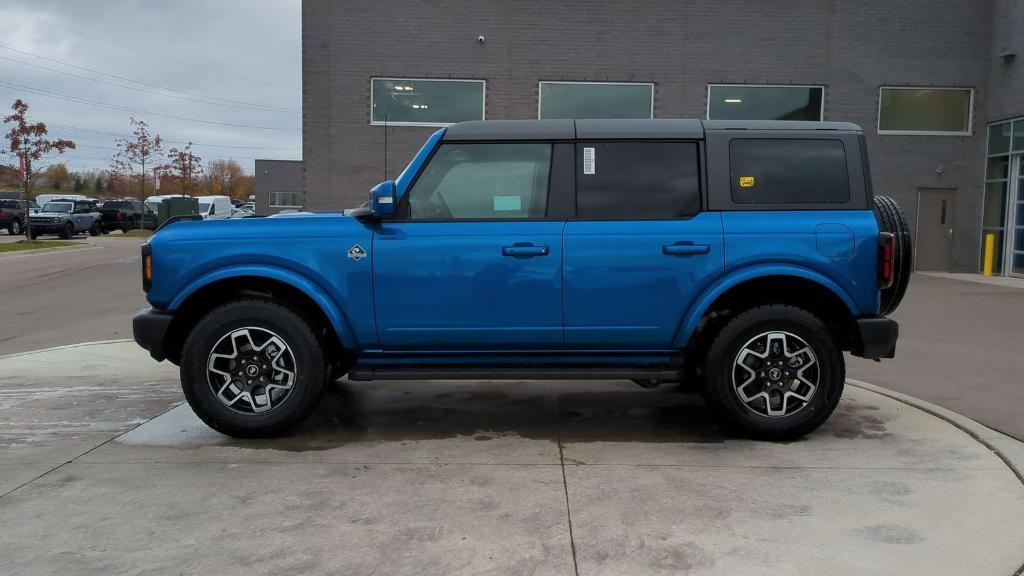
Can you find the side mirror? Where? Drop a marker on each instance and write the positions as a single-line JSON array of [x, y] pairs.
[[383, 199]]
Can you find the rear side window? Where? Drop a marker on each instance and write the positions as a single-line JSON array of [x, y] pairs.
[[781, 171], [637, 180], [483, 181]]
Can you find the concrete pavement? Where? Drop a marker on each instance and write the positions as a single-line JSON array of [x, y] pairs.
[[102, 471]]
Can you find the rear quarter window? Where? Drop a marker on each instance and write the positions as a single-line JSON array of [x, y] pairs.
[[788, 171]]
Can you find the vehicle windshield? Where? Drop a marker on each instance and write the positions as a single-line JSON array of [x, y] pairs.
[[58, 207]]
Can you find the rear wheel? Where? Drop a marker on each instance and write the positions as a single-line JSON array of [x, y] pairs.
[[774, 373], [14, 228], [891, 219], [95, 229], [252, 368]]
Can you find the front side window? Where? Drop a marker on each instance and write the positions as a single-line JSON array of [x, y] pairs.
[[483, 181], [637, 180], [788, 171], [939, 111], [749, 102], [562, 100], [426, 102]]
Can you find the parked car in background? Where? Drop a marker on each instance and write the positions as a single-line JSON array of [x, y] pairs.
[[12, 215], [125, 215], [215, 207], [742, 257], [250, 206], [66, 218], [44, 198], [241, 213]]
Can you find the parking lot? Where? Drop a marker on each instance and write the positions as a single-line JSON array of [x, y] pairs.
[[105, 469]]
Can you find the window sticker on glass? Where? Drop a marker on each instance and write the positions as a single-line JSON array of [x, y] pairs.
[[746, 181], [588, 161], [508, 203]]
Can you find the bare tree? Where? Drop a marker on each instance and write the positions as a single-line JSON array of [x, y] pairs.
[[29, 143], [134, 156], [185, 166]]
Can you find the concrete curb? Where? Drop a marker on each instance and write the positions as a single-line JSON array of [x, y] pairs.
[[66, 346], [984, 435]]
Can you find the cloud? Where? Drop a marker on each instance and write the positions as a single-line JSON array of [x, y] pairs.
[[227, 62]]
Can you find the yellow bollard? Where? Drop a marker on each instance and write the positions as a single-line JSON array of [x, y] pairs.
[[990, 253]]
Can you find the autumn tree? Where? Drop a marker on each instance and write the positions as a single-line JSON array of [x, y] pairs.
[[224, 177], [185, 166], [28, 142]]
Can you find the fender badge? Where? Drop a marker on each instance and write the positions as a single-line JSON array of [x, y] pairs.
[[357, 253]]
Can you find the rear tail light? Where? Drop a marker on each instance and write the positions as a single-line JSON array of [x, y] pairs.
[[886, 260], [120, 215]]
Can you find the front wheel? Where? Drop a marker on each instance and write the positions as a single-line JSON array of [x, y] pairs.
[[67, 231], [774, 373], [252, 368]]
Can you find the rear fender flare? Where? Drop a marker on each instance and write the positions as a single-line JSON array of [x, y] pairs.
[[708, 297]]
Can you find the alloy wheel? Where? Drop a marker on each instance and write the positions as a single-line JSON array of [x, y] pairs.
[[251, 370], [775, 374]]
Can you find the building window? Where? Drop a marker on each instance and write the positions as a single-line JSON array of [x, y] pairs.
[[752, 102], [778, 171], [285, 199], [925, 111], [595, 100], [425, 102]]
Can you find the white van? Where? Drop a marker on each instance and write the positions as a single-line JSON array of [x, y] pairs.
[[215, 207]]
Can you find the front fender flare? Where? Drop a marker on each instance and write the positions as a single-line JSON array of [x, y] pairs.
[[703, 302], [334, 314]]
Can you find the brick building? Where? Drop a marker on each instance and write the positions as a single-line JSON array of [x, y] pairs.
[[936, 85]]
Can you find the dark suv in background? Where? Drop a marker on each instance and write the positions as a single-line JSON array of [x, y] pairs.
[[12, 215], [125, 215]]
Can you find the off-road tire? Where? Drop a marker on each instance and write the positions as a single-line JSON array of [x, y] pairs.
[[67, 232], [95, 229], [891, 219], [310, 368], [718, 368]]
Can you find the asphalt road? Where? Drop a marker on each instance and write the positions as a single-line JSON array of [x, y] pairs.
[[960, 343], [52, 298]]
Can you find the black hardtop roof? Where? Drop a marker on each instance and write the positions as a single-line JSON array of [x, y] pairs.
[[647, 129]]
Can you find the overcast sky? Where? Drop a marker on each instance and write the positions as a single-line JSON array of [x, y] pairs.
[[225, 74]]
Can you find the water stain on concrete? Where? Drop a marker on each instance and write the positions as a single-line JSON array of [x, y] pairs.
[[853, 420], [414, 411], [890, 534]]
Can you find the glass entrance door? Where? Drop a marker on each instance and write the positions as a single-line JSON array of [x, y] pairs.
[[1014, 259]]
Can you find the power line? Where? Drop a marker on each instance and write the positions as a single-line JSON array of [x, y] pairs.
[[122, 135], [86, 101], [154, 54], [240, 105]]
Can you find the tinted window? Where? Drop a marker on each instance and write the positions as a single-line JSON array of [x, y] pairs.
[[731, 102], [637, 180], [483, 181], [420, 101], [595, 100], [929, 110], [779, 171]]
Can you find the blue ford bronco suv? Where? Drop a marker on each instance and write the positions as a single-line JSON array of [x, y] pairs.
[[742, 257]]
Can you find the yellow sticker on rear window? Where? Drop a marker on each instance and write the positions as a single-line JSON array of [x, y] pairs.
[[746, 181]]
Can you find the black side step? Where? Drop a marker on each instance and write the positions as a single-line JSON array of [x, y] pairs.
[[362, 374]]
